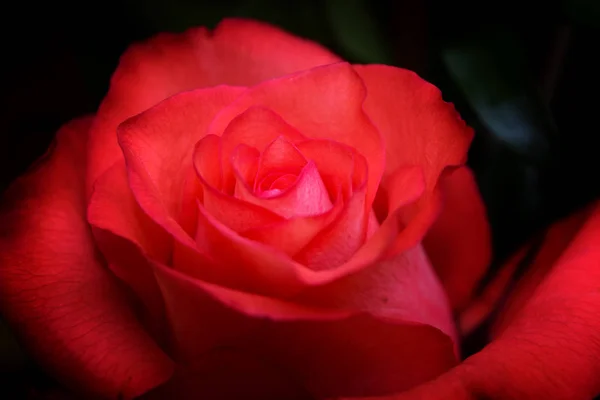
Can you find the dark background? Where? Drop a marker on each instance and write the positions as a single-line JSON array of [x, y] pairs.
[[524, 75]]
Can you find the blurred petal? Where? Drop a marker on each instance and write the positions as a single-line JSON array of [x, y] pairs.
[[459, 242], [556, 240], [237, 52], [66, 307]]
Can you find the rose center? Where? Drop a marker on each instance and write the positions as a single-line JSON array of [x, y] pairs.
[[274, 183]]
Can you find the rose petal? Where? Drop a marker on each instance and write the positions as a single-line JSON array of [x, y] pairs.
[[322, 103], [404, 287], [418, 127], [55, 292], [237, 214], [237, 52], [242, 263], [479, 308], [459, 242], [412, 211], [551, 350], [337, 243], [556, 240], [244, 162], [271, 272], [157, 177], [307, 196], [291, 235], [327, 352], [126, 237], [280, 156], [339, 166], [256, 127]]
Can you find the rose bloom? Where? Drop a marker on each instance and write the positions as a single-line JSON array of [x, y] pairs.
[[249, 217]]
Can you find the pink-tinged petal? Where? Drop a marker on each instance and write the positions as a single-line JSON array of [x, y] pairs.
[[282, 182], [237, 214], [403, 287], [551, 349], [418, 127], [387, 240], [158, 146], [340, 167], [322, 103], [459, 242], [255, 127], [306, 197], [237, 52], [338, 242], [325, 352], [126, 236], [271, 272], [280, 156], [66, 307]]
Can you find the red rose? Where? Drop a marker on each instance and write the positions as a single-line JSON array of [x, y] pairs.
[[247, 216]]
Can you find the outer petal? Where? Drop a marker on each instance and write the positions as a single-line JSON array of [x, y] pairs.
[[54, 290], [127, 236], [508, 292], [551, 350], [556, 240], [238, 52], [418, 127], [459, 242], [157, 177], [401, 288], [322, 352]]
